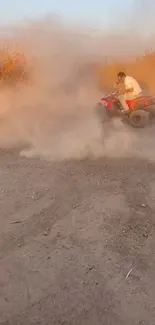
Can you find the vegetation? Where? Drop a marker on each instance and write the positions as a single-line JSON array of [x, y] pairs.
[[12, 66], [142, 68]]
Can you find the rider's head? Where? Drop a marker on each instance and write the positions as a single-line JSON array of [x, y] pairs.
[[121, 76]]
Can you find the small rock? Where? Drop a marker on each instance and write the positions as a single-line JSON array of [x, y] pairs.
[[74, 206], [15, 222], [6, 299], [90, 268], [143, 205], [45, 233], [145, 235], [31, 256], [34, 197]]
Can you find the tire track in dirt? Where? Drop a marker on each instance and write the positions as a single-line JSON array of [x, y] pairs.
[[98, 231]]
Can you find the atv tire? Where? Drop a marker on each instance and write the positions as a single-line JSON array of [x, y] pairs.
[[139, 118], [102, 113]]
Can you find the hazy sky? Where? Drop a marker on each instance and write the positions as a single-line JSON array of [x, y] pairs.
[[101, 12]]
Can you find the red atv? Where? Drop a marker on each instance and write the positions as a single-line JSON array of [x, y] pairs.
[[141, 109]]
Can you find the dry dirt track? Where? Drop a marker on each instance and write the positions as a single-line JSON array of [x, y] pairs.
[[69, 234]]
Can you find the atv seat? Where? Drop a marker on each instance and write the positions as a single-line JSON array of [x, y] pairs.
[[139, 101]]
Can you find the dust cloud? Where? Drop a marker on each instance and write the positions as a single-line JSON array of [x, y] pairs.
[[53, 115]]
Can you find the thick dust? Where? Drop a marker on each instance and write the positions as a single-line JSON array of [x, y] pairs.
[[54, 117]]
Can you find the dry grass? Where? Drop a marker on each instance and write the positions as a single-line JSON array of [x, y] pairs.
[[142, 68]]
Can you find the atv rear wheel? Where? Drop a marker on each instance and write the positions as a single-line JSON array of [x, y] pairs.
[[139, 118]]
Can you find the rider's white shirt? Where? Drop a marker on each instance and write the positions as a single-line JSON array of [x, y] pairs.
[[130, 82]]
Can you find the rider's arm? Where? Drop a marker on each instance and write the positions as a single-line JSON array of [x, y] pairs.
[[129, 90]]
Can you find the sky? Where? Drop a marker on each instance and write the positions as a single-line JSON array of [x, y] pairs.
[[101, 13], [134, 15]]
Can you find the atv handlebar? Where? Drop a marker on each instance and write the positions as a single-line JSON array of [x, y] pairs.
[[112, 94]]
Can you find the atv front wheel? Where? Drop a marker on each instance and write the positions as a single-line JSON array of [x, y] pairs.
[[139, 118], [102, 113]]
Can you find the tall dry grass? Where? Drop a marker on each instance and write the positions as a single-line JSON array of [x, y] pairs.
[[142, 68]]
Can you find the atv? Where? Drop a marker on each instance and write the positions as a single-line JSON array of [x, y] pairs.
[[141, 109]]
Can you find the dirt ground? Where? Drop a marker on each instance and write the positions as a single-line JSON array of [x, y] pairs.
[[70, 234]]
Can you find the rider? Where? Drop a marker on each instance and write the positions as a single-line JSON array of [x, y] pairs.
[[127, 88]]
